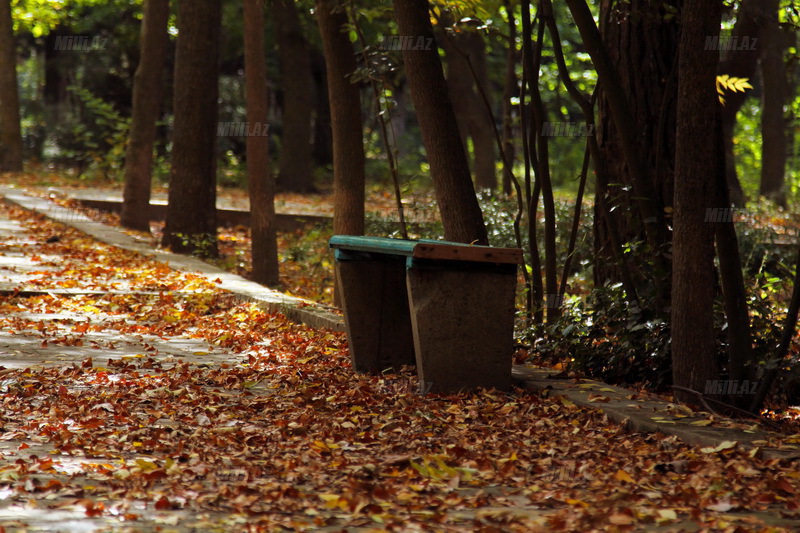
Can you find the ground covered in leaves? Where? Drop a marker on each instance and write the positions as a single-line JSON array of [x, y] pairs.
[[284, 436]]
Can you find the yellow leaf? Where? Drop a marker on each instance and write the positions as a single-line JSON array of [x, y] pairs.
[[146, 465], [583, 504], [331, 500], [622, 475]]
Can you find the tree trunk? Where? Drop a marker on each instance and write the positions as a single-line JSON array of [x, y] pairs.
[[482, 126], [191, 224], [346, 121], [55, 82], [323, 142], [399, 118], [740, 341], [696, 165], [509, 91], [773, 122], [10, 132], [147, 97], [740, 62], [461, 215], [635, 132], [294, 173], [466, 75], [264, 244]]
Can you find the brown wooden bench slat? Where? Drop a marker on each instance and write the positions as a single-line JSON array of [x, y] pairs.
[[427, 249], [450, 252]]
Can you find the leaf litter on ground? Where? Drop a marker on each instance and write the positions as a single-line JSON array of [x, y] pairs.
[[285, 435]]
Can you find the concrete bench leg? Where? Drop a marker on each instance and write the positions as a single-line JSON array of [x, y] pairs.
[[463, 326], [375, 304]]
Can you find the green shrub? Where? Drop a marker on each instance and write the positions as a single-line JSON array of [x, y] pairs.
[[91, 135], [605, 337]]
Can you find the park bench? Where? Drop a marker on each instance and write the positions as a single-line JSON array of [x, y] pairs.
[[446, 307]]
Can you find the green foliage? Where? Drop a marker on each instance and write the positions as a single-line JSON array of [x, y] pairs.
[[498, 214], [92, 134], [40, 17], [32, 110], [201, 244], [768, 256], [422, 221], [303, 246], [605, 337], [747, 147]]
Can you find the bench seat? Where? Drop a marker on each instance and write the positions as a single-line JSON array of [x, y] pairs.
[[446, 307]]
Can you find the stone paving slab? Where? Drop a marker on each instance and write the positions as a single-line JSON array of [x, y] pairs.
[[649, 415]]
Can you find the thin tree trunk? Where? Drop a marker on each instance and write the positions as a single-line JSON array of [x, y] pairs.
[[346, 121], [147, 96], [741, 62], [696, 163], [466, 68], [509, 90], [530, 77], [191, 222], [459, 82], [461, 215], [10, 131], [264, 245], [323, 140], [543, 181], [773, 122], [482, 127], [740, 342], [295, 173]]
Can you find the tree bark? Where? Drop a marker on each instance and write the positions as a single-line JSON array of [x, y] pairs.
[[264, 244], [10, 131], [323, 141], [634, 60], [461, 215], [509, 90], [482, 125], [55, 83], [696, 165], [346, 121], [191, 224], [741, 62], [466, 75], [773, 122], [147, 97], [294, 173]]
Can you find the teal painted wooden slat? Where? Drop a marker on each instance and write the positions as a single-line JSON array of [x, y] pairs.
[[423, 249], [384, 245]]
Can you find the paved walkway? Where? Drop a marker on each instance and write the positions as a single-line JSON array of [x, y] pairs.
[[297, 309]]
